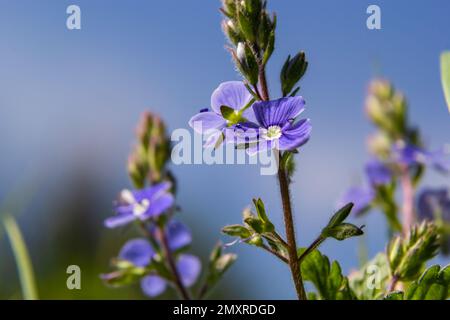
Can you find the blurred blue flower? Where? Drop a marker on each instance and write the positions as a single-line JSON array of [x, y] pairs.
[[434, 204], [360, 197], [231, 94], [276, 126], [188, 267], [378, 173], [410, 155], [137, 251], [178, 234], [140, 253], [141, 204]]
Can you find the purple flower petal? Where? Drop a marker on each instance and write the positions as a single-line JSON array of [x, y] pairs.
[[434, 203], [119, 220], [137, 251], [153, 192], [360, 197], [205, 122], [189, 267], [439, 160], [213, 139], [158, 206], [378, 173], [261, 146], [296, 135], [153, 286], [232, 94], [178, 235], [278, 112]]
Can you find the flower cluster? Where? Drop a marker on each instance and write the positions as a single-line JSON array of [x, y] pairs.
[[158, 259], [399, 158], [237, 117]]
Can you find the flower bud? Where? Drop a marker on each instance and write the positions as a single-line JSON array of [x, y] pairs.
[[246, 62], [152, 152], [379, 144], [387, 108], [292, 71]]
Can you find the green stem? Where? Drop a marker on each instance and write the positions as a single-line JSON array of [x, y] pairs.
[[311, 248]]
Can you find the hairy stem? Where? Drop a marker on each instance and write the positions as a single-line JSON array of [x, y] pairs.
[[408, 201], [290, 234], [287, 209], [276, 254]]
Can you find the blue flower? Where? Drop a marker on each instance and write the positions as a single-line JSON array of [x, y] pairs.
[[378, 173], [141, 204], [409, 155], [232, 94], [140, 253], [434, 204], [276, 125]]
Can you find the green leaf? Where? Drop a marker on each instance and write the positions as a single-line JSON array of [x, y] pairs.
[[219, 263], [237, 231], [370, 282], [23, 261], [261, 211], [407, 256], [343, 231], [434, 284], [445, 75], [340, 216], [327, 278], [255, 223], [339, 230]]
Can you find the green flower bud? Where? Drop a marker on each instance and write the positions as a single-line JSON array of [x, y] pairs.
[[379, 144], [229, 8], [232, 33], [293, 70], [246, 62], [387, 108]]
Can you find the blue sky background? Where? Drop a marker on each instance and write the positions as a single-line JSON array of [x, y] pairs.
[[70, 100]]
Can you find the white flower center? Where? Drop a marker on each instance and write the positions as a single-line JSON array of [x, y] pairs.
[[272, 133], [140, 208]]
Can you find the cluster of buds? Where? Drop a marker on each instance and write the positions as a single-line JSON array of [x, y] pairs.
[[251, 31], [387, 108], [150, 155]]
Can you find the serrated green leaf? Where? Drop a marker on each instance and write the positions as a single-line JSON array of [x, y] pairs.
[[327, 278], [434, 284], [445, 75]]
